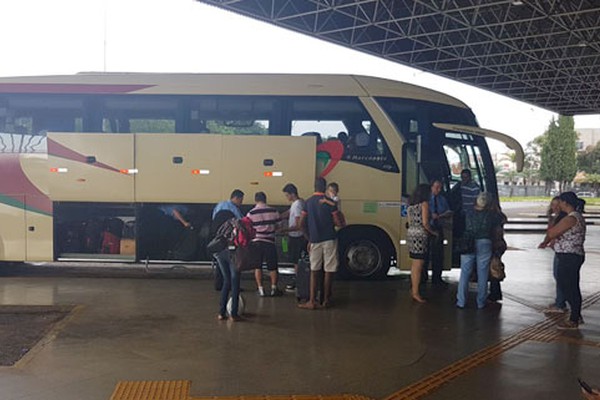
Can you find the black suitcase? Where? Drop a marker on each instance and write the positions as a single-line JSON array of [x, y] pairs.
[[303, 281]]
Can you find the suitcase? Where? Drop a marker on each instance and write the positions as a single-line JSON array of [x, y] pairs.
[[303, 281], [111, 244], [128, 247]]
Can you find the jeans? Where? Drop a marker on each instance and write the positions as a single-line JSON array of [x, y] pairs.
[[569, 265], [231, 282], [481, 257], [560, 301]]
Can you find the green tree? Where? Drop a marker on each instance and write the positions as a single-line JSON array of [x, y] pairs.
[[237, 127], [589, 160], [593, 180], [558, 156]]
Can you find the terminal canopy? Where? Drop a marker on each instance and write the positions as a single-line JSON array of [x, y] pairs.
[[544, 52]]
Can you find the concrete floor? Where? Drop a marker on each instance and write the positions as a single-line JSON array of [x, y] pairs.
[[375, 341]]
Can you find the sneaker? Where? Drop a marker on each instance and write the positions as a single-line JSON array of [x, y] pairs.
[[261, 292], [552, 309], [567, 326], [275, 292], [290, 287]]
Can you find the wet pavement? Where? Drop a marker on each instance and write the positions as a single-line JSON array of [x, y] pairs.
[[374, 342]]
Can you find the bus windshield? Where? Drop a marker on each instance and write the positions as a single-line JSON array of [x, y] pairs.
[[432, 152]]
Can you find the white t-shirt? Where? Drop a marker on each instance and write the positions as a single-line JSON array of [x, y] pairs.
[[295, 212]]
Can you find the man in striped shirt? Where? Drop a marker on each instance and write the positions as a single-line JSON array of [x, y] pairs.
[[469, 191], [265, 221]]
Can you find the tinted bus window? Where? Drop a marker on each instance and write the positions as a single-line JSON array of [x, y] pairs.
[[38, 114], [344, 120], [234, 115]]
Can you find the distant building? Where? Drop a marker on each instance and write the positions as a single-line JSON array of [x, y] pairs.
[[587, 137]]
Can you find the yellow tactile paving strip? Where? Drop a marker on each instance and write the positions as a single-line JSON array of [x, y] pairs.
[[290, 397], [544, 331], [152, 390]]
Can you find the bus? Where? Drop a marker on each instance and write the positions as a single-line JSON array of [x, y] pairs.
[[89, 162]]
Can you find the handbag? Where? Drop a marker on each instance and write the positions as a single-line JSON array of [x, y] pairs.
[[217, 245], [497, 269], [246, 257]]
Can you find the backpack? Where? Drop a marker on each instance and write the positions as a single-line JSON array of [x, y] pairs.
[[223, 236], [220, 218], [244, 232]]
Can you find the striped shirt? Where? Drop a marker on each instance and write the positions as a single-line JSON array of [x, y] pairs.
[[469, 193], [264, 220]]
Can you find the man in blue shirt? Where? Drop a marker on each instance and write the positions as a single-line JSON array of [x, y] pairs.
[[439, 213], [233, 204]]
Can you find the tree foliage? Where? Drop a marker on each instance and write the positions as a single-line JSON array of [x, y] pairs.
[[589, 160], [237, 127], [559, 149]]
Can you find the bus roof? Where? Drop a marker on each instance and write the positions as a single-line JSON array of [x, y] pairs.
[[222, 84]]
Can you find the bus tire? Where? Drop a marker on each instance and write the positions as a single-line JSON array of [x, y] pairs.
[[365, 253]]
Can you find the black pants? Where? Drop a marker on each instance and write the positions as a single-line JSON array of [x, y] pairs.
[[569, 265], [435, 257], [495, 289]]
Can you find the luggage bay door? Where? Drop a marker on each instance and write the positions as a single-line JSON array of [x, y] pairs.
[[96, 167], [12, 232], [176, 168], [267, 163]]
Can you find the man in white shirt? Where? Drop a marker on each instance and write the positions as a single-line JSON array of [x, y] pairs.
[[296, 241]]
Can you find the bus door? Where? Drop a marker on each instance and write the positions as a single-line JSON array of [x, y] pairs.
[[412, 175]]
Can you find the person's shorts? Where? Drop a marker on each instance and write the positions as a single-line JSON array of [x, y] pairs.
[[324, 255], [264, 252], [295, 247]]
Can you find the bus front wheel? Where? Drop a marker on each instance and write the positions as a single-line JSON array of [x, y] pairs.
[[364, 254]]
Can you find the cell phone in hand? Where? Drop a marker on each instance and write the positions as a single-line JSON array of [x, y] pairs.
[[585, 386]]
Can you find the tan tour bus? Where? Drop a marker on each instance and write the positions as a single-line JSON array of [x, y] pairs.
[[93, 164]]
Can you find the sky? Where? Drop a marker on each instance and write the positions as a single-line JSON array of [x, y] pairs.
[[42, 37]]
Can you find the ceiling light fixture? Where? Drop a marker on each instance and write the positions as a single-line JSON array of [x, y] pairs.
[[516, 2]]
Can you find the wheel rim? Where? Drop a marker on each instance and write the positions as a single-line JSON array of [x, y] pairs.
[[363, 258]]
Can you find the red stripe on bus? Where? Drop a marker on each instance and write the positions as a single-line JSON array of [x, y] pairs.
[[58, 150], [68, 88], [15, 184]]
